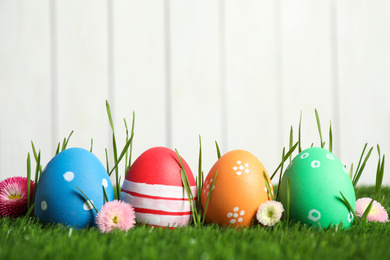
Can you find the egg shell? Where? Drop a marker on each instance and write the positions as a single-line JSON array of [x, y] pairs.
[[57, 199], [316, 179], [239, 189], [153, 186]]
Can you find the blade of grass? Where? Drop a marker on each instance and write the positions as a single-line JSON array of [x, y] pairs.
[[28, 180], [107, 164], [330, 137], [280, 175], [66, 141], [348, 205], [208, 198], [63, 144], [284, 159], [360, 171], [319, 225], [364, 216], [105, 194], [121, 155], [58, 148], [117, 161], [91, 145], [361, 157], [351, 172], [186, 183], [127, 139], [291, 141], [218, 151], [30, 210], [115, 151], [199, 183], [379, 175], [190, 196], [34, 151], [114, 146], [119, 187], [267, 184], [132, 134], [288, 201], [378, 169], [110, 116], [37, 169], [365, 213], [187, 187], [38, 162], [129, 152], [90, 201], [319, 127]]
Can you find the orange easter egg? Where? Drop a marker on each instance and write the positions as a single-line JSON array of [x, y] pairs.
[[238, 191]]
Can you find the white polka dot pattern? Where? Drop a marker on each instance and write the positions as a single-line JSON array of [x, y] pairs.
[[43, 205], [314, 215], [88, 205], [239, 168], [236, 215], [68, 176]]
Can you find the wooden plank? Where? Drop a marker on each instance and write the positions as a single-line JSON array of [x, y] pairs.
[[81, 64], [24, 84], [195, 80], [364, 62], [139, 79], [251, 80]]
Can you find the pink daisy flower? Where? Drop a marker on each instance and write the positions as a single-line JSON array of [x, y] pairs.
[[269, 213], [13, 196], [377, 212], [115, 215]]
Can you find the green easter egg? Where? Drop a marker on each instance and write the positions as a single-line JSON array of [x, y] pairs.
[[316, 179]]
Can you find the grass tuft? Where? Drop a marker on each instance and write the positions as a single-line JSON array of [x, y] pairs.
[[319, 128], [286, 156], [124, 152], [360, 167], [218, 151]]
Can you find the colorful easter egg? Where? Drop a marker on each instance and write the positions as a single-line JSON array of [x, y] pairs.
[[316, 179], [238, 191], [153, 186], [57, 198]]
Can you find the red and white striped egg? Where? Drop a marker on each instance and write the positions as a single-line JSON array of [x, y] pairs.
[[153, 186]]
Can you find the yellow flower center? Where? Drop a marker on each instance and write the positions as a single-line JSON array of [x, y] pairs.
[[14, 196], [373, 210], [115, 220]]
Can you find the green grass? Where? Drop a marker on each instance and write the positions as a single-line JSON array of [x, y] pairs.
[[24, 238]]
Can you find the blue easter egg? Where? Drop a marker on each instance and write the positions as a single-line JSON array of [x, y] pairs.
[[57, 198]]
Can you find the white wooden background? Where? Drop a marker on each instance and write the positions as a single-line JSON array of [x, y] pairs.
[[239, 72]]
